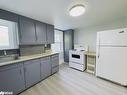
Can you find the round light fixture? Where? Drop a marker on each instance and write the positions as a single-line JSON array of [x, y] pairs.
[[77, 10]]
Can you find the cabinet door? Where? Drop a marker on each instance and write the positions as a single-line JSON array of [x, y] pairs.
[[41, 32], [12, 78], [55, 60], [32, 72], [50, 34], [45, 67], [27, 31]]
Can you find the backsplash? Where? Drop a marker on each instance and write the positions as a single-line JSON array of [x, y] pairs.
[[27, 50], [33, 49], [9, 52]]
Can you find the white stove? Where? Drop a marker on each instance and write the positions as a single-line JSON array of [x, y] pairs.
[[77, 58]]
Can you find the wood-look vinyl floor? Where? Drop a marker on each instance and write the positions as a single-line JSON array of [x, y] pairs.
[[72, 82]]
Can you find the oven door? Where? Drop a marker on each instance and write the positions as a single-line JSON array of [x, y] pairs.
[[75, 56]]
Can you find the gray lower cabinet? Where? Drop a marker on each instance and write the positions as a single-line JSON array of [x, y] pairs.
[[20, 76], [12, 78], [50, 34], [55, 63], [32, 72], [45, 67], [55, 60], [55, 69]]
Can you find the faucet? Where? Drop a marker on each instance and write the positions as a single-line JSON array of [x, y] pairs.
[[5, 52]]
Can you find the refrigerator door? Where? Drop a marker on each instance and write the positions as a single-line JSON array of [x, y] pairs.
[[113, 37], [111, 64], [98, 39]]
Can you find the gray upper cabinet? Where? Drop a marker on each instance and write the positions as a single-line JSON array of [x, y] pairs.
[[45, 67], [35, 32], [12, 78], [6, 15], [27, 31], [31, 32], [41, 32], [50, 34], [32, 72]]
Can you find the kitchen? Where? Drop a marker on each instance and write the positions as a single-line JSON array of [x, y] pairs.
[[58, 50]]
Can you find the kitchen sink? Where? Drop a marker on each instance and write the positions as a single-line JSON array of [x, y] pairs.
[[8, 58]]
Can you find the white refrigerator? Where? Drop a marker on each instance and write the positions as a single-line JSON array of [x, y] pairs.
[[111, 56]]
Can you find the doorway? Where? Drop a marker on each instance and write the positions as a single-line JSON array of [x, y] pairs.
[[58, 45]]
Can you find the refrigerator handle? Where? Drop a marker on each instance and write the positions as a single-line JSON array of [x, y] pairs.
[[121, 32], [99, 48], [99, 52]]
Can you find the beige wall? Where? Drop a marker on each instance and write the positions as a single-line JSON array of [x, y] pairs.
[[87, 36]]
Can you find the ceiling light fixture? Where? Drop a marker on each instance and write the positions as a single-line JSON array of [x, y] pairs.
[[77, 10]]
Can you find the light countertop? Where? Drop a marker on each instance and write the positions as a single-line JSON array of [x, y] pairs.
[[90, 53], [26, 58]]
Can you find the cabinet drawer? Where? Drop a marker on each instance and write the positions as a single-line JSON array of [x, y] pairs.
[[55, 61], [45, 59], [55, 69], [11, 66], [35, 61]]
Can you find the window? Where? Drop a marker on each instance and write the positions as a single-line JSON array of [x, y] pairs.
[[8, 35], [58, 45], [4, 36]]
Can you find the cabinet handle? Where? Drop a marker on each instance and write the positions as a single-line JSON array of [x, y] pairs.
[[20, 72], [35, 32], [121, 31], [24, 69], [99, 48]]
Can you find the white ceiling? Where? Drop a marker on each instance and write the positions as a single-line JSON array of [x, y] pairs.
[[56, 11]]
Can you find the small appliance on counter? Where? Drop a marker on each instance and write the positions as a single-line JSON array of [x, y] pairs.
[[77, 58]]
